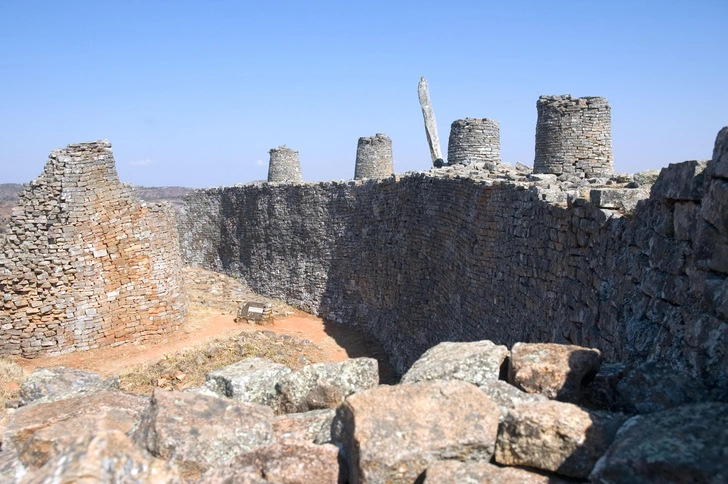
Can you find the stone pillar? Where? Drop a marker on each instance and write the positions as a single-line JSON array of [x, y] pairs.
[[573, 135], [374, 157], [474, 140], [433, 140], [284, 166]]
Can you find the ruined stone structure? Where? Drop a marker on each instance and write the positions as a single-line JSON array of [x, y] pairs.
[[573, 135], [460, 254], [474, 140], [374, 157], [284, 166], [428, 113], [84, 264]]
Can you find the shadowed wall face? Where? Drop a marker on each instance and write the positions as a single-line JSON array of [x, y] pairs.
[[84, 264], [374, 157], [424, 258], [574, 136]]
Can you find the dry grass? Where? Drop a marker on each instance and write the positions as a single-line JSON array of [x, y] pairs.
[[11, 377], [187, 368]]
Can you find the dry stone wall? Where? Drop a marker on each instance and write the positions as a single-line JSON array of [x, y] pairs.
[[474, 140], [573, 135], [284, 165], [84, 264], [464, 254], [374, 157]]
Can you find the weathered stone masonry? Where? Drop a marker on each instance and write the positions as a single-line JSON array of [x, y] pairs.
[[84, 264], [474, 140], [436, 256]]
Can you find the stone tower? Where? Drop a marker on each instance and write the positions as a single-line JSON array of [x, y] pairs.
[[284, 166], [374, 157], [84, 264], [474, 140], [573, 135]]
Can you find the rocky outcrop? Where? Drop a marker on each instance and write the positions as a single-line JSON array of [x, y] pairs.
[[251, 380], [454, 472], [57, 383]]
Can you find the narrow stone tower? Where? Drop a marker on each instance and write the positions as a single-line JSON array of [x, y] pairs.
[[474, 140], [573, 135], [284, 166], [374, 157]]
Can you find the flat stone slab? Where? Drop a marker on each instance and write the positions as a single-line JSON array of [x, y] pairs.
[[59, 382], [313, 426], [683, 444], [250, 380], [454, 472], [477, 362], [506, 396], [393, 433]]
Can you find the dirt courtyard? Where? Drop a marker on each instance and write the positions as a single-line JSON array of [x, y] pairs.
[[213, 302]]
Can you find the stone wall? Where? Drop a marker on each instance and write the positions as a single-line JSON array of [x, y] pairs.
[[374, 157], [460, 254], [573, 135], [474, 140], [84, 264], [284, 165]]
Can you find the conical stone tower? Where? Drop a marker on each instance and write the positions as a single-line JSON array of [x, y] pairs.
[[84, 264]]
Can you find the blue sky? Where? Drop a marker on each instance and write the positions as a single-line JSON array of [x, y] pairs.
[[196, 93]]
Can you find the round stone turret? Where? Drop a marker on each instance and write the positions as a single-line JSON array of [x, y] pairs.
[[573, 135], [474, 140], [374, 157], [284, 166]]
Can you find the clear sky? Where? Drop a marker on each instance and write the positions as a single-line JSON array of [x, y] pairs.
[[195, 93]]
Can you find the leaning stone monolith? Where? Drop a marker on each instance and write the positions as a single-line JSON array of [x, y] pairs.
[[430, 125]]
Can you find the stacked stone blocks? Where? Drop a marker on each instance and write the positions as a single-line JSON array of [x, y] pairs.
[[573, 136], [284, 166], [84, 264], [474, 140], [374, 157]]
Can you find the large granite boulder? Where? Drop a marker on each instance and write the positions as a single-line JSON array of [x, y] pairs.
[[559, 372], [454, 472], [59, 382], [683, 444], [250, 380], [653, 387], [555, 436], [287, 462], [601, 393], [324, 385], [199, 431], [393, 433], [477, 362], [506, 396], [106, 456], [40, 431], [313, 426]]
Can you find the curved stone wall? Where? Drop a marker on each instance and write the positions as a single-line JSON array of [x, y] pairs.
[[284, 166], [474, 140], [84, 264], [574, 136], [435, 256], [374, 157]]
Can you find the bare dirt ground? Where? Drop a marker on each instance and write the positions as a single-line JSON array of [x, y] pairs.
[[294, 338]]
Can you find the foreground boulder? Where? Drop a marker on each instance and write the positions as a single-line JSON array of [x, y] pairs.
[[683, 444], [506, 396], [559, 372], [477, 362], [454, 472], [313, 426], [56, 383], [250, 380], [324, 385], [198, 431], [653, 387], [393, 433], [107, 456], [555, 436], [288, 462], [40, 431]]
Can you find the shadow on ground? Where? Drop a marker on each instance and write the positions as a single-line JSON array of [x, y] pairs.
[[357, 344]]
